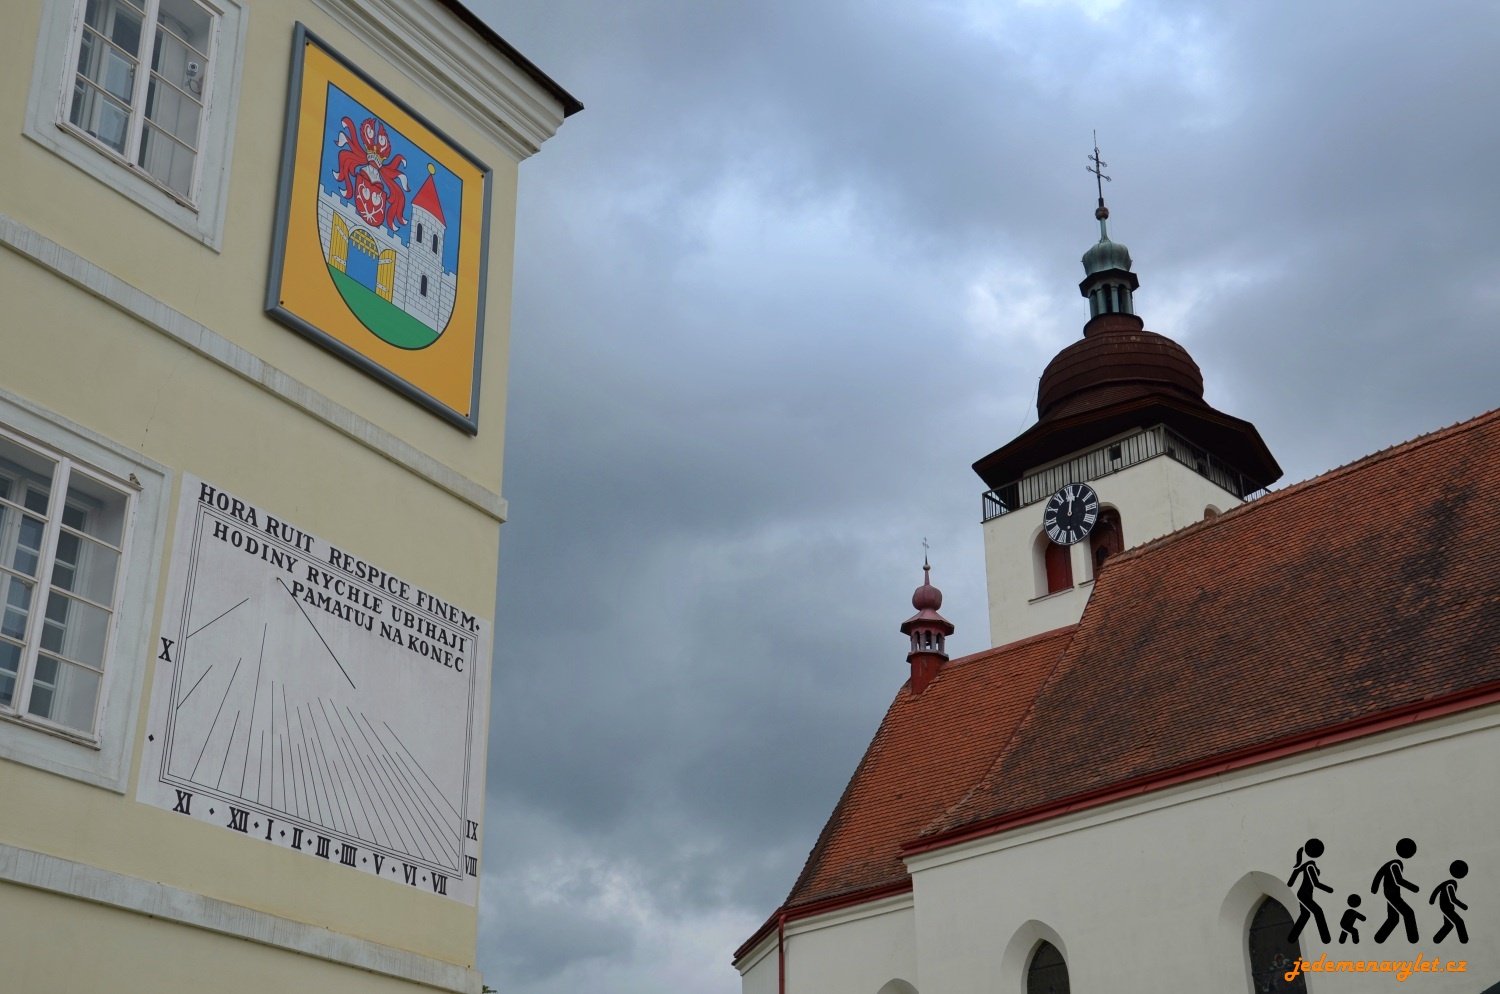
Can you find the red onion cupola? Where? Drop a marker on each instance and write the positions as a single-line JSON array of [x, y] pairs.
[[1121, 378], [929, 632]]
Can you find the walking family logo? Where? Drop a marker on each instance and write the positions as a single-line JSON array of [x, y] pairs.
[[1391, 884]]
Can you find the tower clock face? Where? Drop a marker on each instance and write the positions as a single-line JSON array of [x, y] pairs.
[[1071, 513]]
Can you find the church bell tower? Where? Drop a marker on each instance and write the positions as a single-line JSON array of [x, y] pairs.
[[1124, 450]]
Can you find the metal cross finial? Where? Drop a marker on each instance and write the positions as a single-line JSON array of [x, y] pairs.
[[1098, 169], [924, 552]]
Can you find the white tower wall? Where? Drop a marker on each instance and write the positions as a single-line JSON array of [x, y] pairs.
[[1153, 498], [423, 261]]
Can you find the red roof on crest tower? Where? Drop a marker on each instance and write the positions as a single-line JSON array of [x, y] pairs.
[[427, 198]]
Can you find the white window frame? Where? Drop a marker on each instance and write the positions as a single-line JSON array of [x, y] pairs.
[[102, 757], [136, 118], [202, 214]]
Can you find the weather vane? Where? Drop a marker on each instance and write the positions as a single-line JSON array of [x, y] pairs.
[[1097, 168]]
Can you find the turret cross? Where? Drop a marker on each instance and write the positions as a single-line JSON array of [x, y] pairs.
[[1097, 169]]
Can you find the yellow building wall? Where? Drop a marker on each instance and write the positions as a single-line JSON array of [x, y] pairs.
[[138, 387], [136, 954], [86, 360], [226, 290]]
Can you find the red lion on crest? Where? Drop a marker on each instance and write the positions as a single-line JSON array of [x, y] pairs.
[[371, 178]]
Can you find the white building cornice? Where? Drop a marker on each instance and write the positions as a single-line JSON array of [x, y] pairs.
[[63, 877], [429, 43]]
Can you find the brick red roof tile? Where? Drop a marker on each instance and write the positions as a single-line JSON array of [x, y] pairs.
[[1373, 587], [928, 751]]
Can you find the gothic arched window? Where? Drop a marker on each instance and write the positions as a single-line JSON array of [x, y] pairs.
[[1048, 973], [1271, 955]]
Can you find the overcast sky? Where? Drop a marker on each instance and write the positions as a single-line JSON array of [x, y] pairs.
[[793, 270]]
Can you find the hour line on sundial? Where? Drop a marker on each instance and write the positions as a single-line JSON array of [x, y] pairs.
[[319, 634]]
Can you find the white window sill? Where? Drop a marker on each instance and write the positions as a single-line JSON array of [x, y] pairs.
[[1062, 593]]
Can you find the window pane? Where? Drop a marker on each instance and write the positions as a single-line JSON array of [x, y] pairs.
[[107, 66], [74, 629], [117, 20], [95, 508], [20, 540], [16, 607], [64, 693], [168, 161], [1048, 974], [85, 568], [10, 664], [175, 111], [189, 21], [1271, 955], [31, 473], [99, 116]]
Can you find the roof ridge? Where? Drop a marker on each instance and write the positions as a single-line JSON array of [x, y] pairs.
[[1312, 482], [1006, 647]]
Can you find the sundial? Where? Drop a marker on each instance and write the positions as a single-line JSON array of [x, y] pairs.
[[309, 698]]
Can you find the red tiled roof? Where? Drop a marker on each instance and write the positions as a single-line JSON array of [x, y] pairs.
[[928, 751], [1350, 598], [1371, 588], [1370, 594]]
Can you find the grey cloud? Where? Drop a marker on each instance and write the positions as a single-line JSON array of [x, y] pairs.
[[791, 272]]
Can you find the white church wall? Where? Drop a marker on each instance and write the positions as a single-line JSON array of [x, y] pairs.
[[759, 973], [1153, 498], [1156, 893], [857, 950]]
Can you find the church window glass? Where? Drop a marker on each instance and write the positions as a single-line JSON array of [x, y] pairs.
[[1048, 972], [1271, 955]]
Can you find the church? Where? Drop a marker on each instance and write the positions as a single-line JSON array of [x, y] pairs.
[[1227, 738]]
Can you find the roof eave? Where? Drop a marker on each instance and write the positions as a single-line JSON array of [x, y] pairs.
[[1051, 439], [570, 104], [1464, 700]]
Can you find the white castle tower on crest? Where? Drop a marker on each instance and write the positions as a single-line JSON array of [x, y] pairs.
[[410, 276]]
